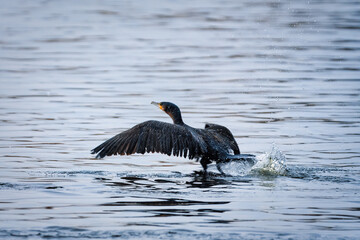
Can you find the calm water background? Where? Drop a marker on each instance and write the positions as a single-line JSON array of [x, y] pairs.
[[74, 73]]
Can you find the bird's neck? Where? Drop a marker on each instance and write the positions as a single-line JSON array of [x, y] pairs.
[[176, 117]]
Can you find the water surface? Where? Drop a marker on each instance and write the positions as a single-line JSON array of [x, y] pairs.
[[277, 73]]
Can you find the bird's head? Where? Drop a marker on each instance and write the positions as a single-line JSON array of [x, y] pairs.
[[167, 107], [171, 109]]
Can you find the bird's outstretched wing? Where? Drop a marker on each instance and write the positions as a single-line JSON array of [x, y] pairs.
[[154, 136], [227, 137]]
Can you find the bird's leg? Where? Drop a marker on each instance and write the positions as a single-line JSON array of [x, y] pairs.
[[204, 162], [219, 168]]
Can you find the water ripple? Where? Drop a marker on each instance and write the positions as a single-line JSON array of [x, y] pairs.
[[276, 73]]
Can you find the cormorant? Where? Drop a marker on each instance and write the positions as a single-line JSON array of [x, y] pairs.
[[213, 143]]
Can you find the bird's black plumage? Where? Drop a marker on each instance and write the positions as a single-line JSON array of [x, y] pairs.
[[213, 143]]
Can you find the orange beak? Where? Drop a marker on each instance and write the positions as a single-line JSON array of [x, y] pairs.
[[158, 105]]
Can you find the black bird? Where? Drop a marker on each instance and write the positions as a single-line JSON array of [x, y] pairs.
[[213, 143]]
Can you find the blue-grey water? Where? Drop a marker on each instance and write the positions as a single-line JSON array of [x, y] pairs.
[[284, 76]]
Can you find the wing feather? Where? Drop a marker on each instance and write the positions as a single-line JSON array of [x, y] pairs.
[[154, 136], [226, 137]]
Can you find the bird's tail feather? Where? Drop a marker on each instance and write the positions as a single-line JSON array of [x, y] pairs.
[[241, 157]]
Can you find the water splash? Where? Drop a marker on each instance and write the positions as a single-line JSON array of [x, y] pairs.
[[238, 168], [273, 163]]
